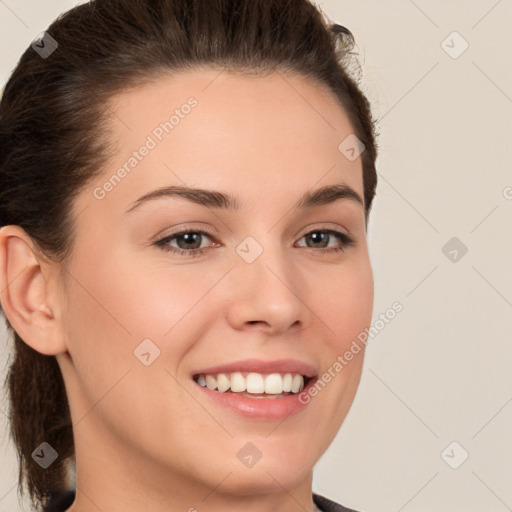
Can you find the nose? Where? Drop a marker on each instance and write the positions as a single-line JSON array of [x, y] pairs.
[[267, 294]]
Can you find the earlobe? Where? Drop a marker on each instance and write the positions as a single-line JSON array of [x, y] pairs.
[[25, 293]]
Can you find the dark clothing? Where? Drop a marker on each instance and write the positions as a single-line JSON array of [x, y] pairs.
[[326, 505], [62, 501]]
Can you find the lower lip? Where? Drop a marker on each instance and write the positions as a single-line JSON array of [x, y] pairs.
[[264, 408]]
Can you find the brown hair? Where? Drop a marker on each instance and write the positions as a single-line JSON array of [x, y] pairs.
[[52, 142]]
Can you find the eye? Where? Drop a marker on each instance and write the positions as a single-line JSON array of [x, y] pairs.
[[321, 238], [188, 242]]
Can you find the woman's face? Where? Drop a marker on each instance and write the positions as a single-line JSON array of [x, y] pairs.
[[142, 319]]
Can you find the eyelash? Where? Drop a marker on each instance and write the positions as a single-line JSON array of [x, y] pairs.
[[346, 241]]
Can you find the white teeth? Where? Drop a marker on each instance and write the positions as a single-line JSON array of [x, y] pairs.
[[287, 382], [273, 384], [223, 383], [238, 382], [256, 383], [211, 382], [297, 383]]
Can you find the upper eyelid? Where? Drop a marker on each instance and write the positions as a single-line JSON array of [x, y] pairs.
[[173, 235], [189, 229], [185, 229]]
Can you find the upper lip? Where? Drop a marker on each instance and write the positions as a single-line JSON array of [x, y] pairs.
[[261, 366]]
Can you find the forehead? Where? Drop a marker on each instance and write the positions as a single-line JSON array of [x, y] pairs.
[[227, 131]]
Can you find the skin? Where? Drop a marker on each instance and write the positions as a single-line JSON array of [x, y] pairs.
[[146, 438]]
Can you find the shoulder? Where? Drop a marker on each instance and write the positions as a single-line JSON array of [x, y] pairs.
[[327, 505]]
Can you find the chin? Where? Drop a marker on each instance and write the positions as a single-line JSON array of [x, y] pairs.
[[275, 470]]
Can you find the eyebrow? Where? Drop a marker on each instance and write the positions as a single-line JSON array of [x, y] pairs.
[[219, 200]]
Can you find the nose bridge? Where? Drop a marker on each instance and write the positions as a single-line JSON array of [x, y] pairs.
[[266, 288]]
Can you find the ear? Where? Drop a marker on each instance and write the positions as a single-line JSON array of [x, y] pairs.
[[27, 292]]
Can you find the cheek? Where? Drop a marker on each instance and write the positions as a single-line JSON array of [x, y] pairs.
[[115, 303], [345, 303], [345, 308], [110, 309], [116, 292]]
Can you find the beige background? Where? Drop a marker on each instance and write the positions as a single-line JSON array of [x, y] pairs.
[[440, 371]]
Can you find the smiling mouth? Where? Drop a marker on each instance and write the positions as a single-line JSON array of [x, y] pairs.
[[253, 384]]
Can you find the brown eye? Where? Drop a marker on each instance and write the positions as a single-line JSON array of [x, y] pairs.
[[320, 239], [187, 242]]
